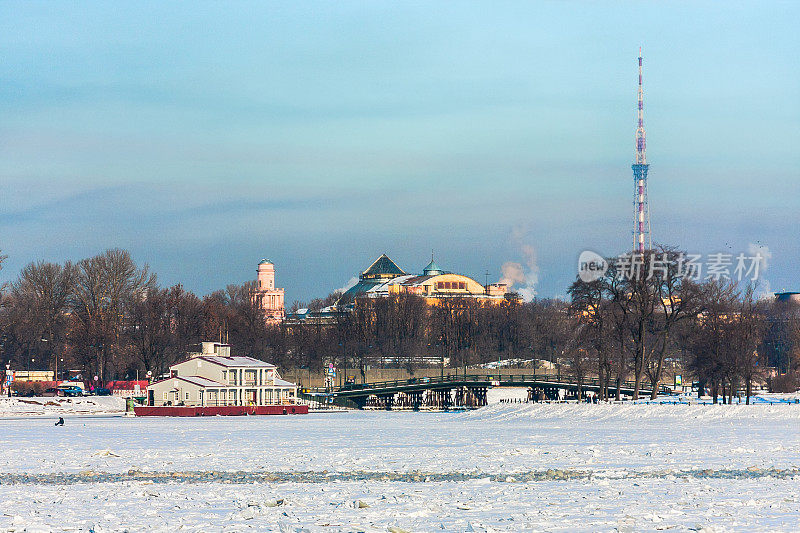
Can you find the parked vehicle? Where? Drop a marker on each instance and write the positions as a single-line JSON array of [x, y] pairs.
[[71, 391], [102, 391]]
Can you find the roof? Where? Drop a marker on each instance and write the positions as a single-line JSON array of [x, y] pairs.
[[236, 361], [203, 382], [126, 385], [419, 280], [284, 383], [361, 287], [195, 380], [265, 262], [432, 269], [383, 286], [382, 267]]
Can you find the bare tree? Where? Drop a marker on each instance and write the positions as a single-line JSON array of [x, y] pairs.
[[708, 338], [747, 333], [104, 284], [591, 308], [161, 327], [677, 299], [37, 309]]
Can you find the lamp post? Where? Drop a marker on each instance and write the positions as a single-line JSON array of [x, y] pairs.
[[55, 359]]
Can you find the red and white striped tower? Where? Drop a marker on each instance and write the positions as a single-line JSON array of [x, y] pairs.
[[641, 222]]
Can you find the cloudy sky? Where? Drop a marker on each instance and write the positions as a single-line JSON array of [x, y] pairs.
[[204, 137]]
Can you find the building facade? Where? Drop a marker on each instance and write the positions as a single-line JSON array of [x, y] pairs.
[[213, 378], [269, 297], [383, 278]]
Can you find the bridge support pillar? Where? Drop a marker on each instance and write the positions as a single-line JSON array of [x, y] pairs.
[[386, 401]]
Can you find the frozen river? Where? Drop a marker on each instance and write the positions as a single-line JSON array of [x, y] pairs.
[[501, 468]]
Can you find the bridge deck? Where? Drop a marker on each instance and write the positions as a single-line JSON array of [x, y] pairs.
[[439, 383]]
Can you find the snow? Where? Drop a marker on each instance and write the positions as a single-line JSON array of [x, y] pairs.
[[505, 467], [59, 406]]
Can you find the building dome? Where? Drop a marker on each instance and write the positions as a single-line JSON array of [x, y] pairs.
[[265, 262], [432, 269]]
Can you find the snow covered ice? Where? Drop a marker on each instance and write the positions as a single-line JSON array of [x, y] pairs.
[[506, 467]]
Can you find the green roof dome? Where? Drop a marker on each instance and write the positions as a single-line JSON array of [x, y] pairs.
[[432, 269], [265, 262]]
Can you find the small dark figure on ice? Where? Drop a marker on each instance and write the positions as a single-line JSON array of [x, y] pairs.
[[60, 421]]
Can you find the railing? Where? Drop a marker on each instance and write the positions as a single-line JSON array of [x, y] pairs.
[[489, 378], [225, 403]]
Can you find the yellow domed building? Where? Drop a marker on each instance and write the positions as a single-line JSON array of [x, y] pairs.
[[383, 278]]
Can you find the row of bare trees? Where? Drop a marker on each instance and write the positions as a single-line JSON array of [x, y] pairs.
[[642, 314], [404, 331], [109, 317]]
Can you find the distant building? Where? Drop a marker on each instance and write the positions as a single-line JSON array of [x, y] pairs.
[[214, 378], [383, 278], [788, 297], [269, 297], [34, 375]]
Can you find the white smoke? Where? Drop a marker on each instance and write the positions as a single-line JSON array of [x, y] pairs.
[[763, 255], [521, 277], [762, 252], [350, 283]]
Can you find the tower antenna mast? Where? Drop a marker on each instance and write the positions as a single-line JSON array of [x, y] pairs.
[[641, 222]]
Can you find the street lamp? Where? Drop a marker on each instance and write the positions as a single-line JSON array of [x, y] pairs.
[[55, 360]]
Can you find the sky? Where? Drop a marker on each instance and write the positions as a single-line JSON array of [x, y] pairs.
[[205, 136]]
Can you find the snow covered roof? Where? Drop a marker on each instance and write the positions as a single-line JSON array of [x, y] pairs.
[[283, 383], [235, 361], [203, 382], [383, 287], [195, 380]]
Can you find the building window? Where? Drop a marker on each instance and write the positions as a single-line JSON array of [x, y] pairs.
[[166, 395], [462, 285], [187, 395]]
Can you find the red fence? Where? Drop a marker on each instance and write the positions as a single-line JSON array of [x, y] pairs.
[[230, 410]]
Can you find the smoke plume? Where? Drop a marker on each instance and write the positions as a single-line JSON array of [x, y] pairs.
[[521, 277], [764, 256]]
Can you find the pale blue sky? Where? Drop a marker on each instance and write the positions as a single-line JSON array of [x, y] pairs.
[[205, 136]]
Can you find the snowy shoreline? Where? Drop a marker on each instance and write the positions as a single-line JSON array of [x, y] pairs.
[[505, 467], [18, 407]]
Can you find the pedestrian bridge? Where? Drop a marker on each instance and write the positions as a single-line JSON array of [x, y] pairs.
[[461, 391]]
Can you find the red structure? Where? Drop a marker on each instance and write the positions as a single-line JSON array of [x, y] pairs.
[[229, 410]]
